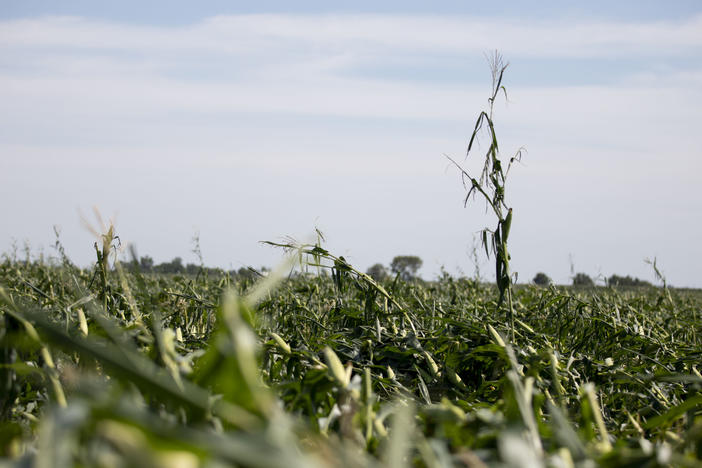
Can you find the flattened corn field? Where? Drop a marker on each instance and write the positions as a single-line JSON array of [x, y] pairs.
[[112, 368]]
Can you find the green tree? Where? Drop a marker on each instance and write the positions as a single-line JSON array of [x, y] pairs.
[[581, 279], [247, 274], [542, 279], [616, 280], [174, 266], [378, 272], [406, 266], [146, 263]]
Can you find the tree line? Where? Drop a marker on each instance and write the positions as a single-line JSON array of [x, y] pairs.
[[404, 266], [146, 264], [584, 280]]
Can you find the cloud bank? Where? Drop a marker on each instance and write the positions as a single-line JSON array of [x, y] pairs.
[[358, 108]]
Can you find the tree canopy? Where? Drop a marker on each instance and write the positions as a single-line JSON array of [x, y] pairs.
[[582, 279], [542, 279], [378, 272], [406, 266], [616, 280]]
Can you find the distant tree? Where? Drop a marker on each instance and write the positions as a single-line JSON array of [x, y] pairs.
[[192, 268], [378, 272], [174, 266], [177, 265], [246, 273], [542, 279], [146, 263], [406, 266], [581, 279], [616, 280]]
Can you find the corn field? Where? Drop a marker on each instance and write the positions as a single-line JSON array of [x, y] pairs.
[[324, 367]]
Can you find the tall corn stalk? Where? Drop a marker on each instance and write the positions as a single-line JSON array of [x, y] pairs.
[[491, 186]]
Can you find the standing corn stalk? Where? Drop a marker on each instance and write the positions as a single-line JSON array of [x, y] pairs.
[[491, 186]]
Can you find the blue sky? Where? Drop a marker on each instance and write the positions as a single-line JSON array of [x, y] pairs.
[[185, 12], [253, 120]]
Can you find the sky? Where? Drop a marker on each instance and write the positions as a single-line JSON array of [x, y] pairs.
[[238, 122]]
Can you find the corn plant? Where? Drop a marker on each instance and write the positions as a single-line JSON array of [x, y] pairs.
[[491, 186]]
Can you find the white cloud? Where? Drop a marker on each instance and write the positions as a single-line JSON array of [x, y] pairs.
[[369, 33], [301, 64], [233, 104]]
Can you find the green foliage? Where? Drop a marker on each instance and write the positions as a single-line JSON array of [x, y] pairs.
[[377, 271], [175, 266], [542, 279], [626, 281], [582, 279], [406, 266], [331, 369], [146, 264]]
